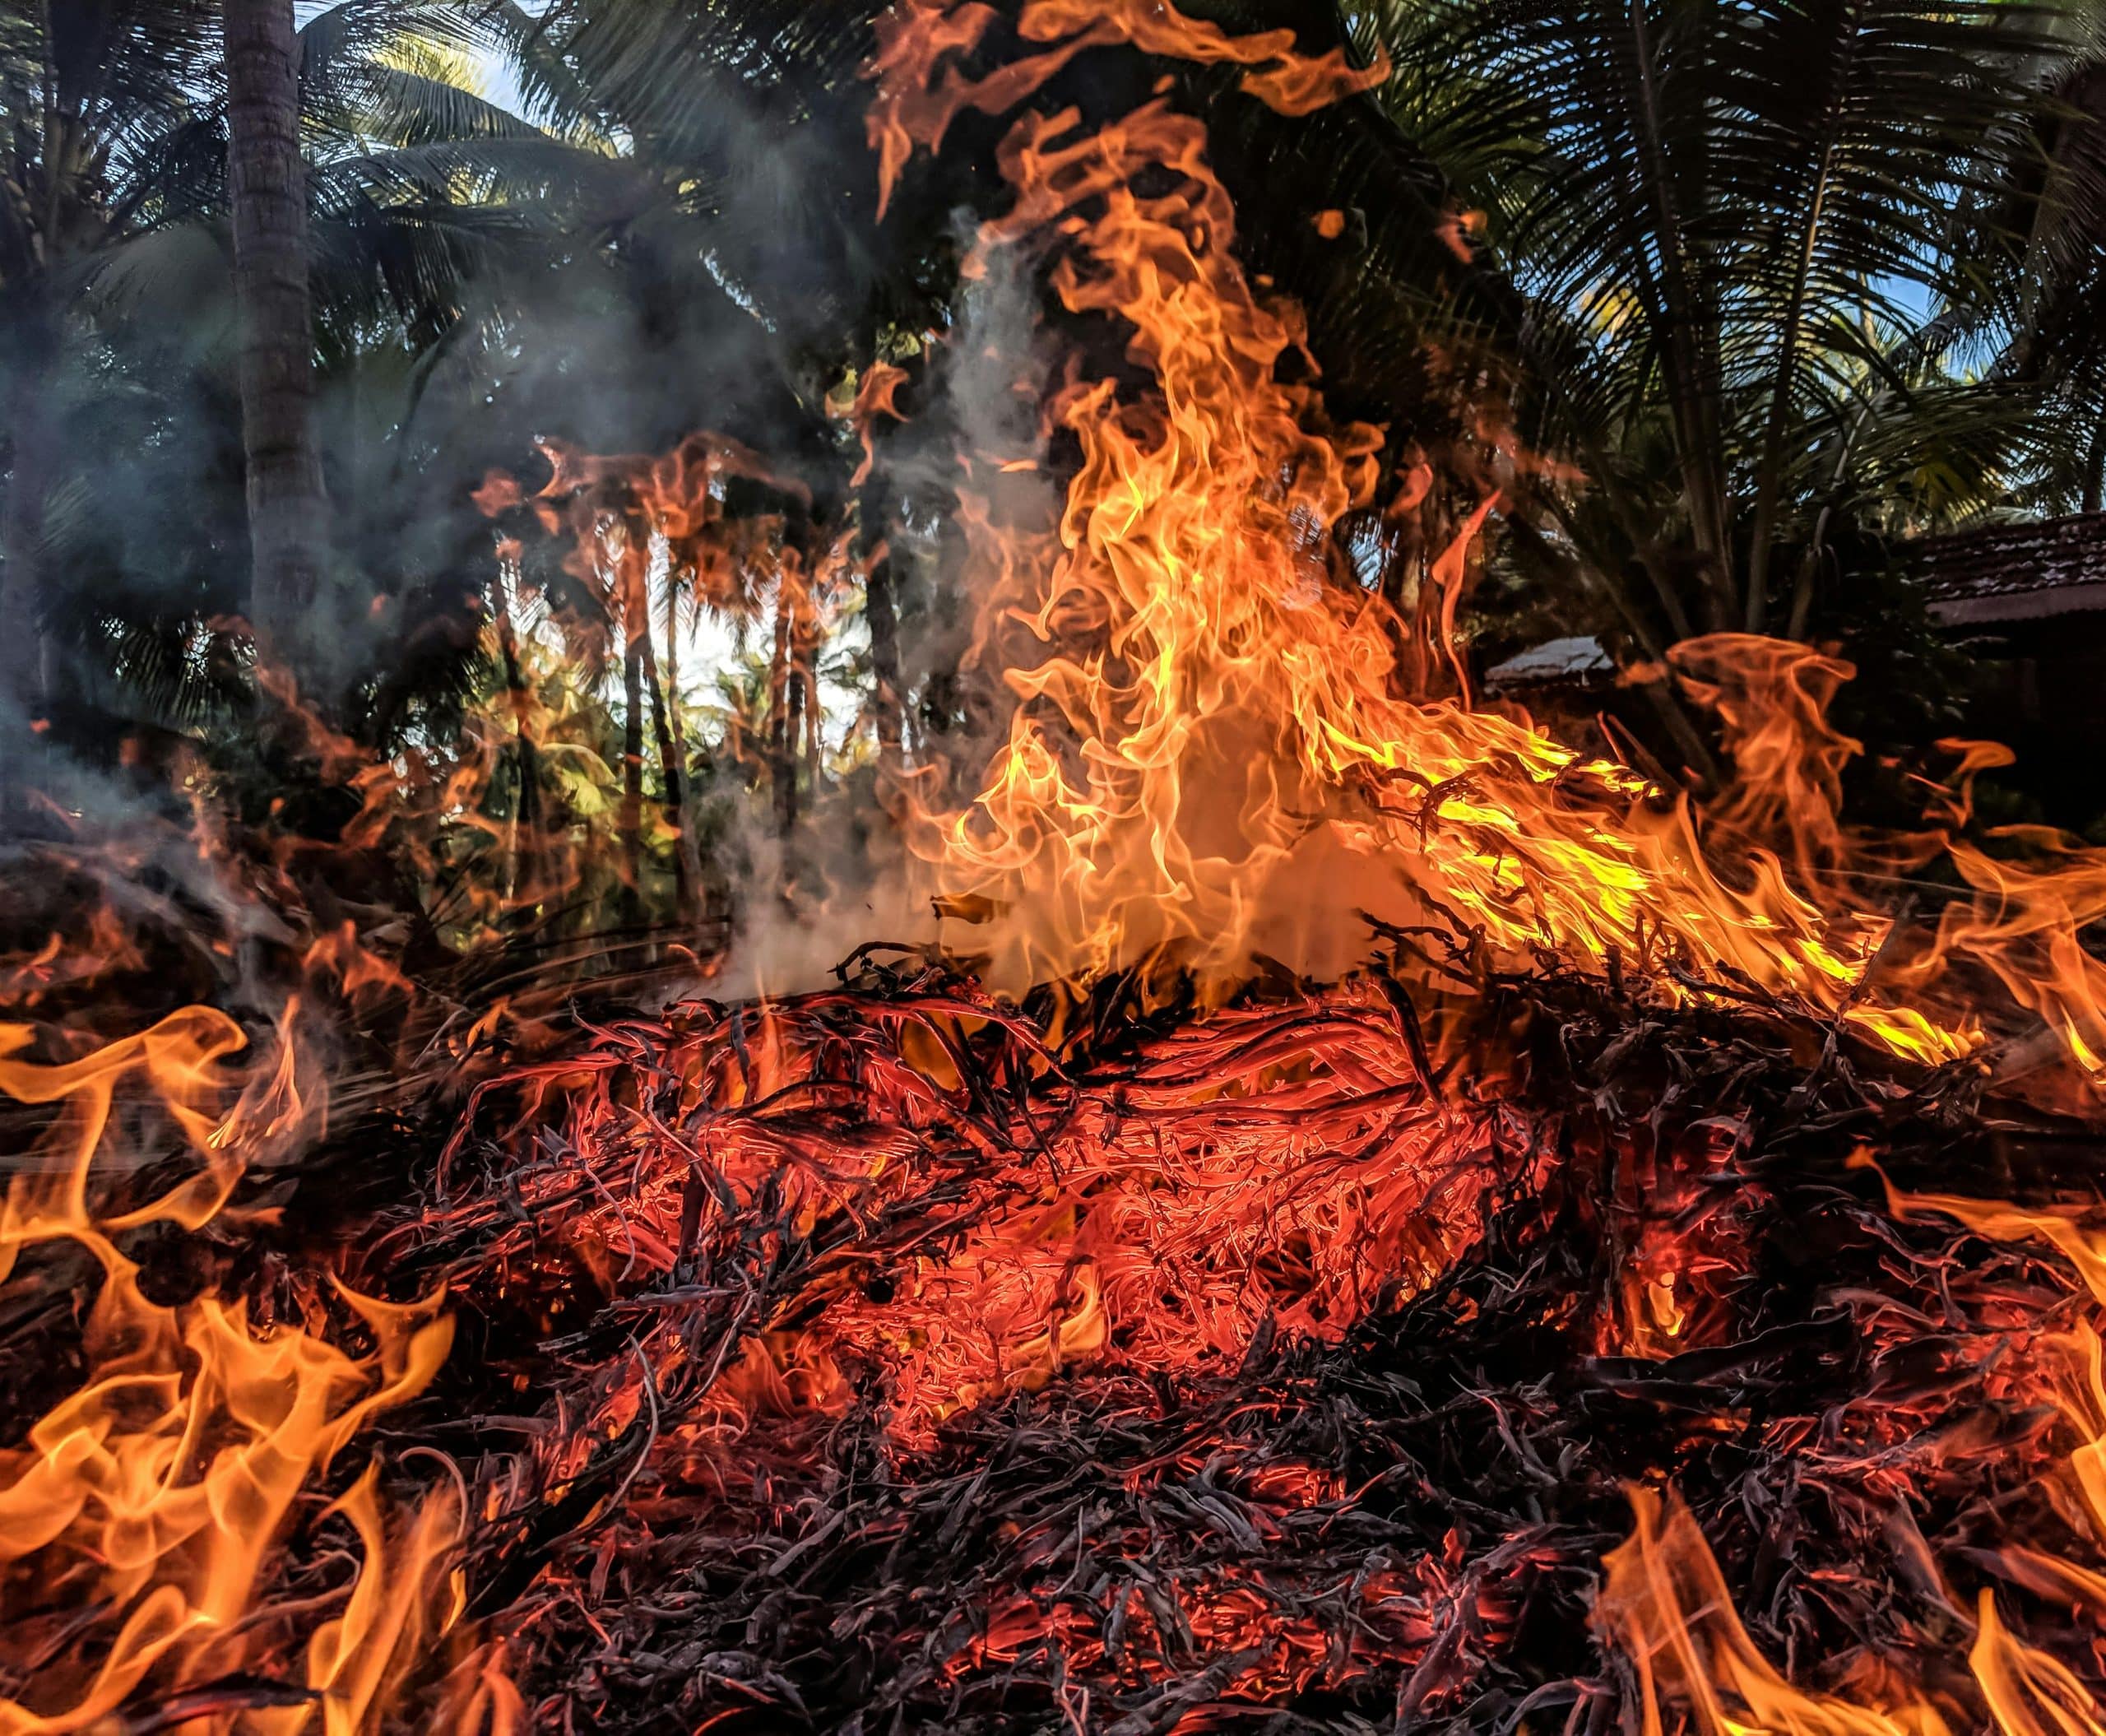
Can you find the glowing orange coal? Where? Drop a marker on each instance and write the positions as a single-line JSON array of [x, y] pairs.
[[1277, 1170]]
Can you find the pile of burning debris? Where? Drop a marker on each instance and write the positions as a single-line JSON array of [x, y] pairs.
[[1654, 1285], [865, 1356], [1250, 1369]]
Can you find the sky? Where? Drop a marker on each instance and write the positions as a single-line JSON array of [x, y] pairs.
[[496, 81]]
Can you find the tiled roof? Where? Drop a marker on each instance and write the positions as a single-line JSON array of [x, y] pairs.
[[1554, 661], [2014, 572]]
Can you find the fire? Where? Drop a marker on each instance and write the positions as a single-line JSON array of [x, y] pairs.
[[1278, 1170], [2029, 1693], [2081, 1395], [915, 36], [153, 1496], [1665, 1605], [922, 1197], [1999, 1220], [2025, 924], [1206, 720]]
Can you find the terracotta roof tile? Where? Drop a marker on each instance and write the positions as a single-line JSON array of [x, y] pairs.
[[2014, 572]]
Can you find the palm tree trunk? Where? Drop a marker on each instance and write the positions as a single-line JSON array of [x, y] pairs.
[[21, 539], [522, 853], [793, 730], [633, 600], [814, 717], [631, 823], [781, 738], [694, 889], [288, 503], [668, 770], [881, 610], [1803, 587], [879, 603]]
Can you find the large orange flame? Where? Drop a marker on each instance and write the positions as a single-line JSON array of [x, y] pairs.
[[152, 1496], [1665, 1605], [1207, 720]]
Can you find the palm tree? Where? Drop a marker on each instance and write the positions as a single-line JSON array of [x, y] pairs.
[[1730, 225], [102, 140], [742, 283], [119, 368], [1685, 281], [2040, 315], [288, 501]]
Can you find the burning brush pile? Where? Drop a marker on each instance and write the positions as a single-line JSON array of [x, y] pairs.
[[1364, 1218]]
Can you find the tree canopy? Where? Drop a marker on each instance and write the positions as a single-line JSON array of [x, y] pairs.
[[1722, 298]]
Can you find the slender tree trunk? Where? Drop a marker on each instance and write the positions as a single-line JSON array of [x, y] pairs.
[[1803, 587], [1436, 530], [288, 503], [36, 343], [814, 717], [635, 622], [668, 770], [524, 852], [881, 610], [793, 730], [693, 887], [632, 811], [21, 539], [781, 720], [884, 662], [2094, 468]]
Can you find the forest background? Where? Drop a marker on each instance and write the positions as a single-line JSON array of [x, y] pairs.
[[338, 341]]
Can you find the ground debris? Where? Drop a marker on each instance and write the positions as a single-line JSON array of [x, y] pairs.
[[894, 1367]]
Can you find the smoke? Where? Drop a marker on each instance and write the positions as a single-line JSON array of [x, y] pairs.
[[789, 942], [977, 458], [993, 374]]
